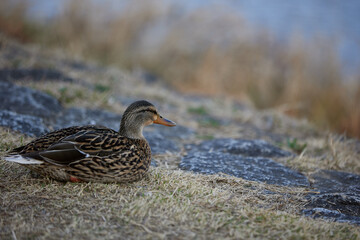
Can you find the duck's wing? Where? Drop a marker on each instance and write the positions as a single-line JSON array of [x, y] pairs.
[[84, 144], [44, 142]]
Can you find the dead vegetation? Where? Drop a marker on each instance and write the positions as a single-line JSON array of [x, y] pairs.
[[170, 203], [304, 79], [167, 204]]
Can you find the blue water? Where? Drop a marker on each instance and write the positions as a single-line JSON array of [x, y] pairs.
[[336, 20]]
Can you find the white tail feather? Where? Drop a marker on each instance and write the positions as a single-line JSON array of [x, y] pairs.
[[22, 160]]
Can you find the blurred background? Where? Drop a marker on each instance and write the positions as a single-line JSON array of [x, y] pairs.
[[299, 57]]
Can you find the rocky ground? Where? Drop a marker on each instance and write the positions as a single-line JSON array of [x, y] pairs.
[[42, 91]]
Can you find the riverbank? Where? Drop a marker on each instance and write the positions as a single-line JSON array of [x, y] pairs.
[[287, 171]]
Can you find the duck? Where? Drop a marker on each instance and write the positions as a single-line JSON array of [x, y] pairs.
[[94, 153]]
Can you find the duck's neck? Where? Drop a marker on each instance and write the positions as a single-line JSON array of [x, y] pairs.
[[131, 131]]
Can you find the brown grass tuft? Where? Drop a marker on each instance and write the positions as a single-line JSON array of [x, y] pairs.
[[167, 204]]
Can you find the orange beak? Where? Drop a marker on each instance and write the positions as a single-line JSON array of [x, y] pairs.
[[164, 121]]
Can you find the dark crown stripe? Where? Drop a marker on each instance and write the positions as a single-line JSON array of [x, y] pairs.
[[147, 110]]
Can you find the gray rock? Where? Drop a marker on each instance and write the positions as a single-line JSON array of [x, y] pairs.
[[177, 133], [30, 125], [339, 197], [166, 139], [250, 148], [347, 203], [160, 144], [241, 158], [153, 163], [84, 116], [35, 74], [332, 215], [28, 101], [329, 181]]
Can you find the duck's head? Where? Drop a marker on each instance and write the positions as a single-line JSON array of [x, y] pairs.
[[138, 115]]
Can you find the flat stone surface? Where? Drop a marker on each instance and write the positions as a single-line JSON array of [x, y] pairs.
[[346, 203], [238, 157], [330, 181], [164, 139], [85, 116], [250, 148], [332, 215], [339, 197], [30, 125], [160, 144], [34, 74], [178, 132], [28, 101]]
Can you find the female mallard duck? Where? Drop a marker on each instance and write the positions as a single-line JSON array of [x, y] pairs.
[[94, 153]]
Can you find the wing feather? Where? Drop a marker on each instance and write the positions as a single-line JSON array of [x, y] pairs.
[[85, 144], [69, 145]]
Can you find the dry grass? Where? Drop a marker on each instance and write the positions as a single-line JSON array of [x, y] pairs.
[[323, 150], [167, 204], [196, 54], [329, 152]]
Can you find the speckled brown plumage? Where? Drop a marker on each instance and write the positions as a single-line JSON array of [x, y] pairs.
[[94, 153]]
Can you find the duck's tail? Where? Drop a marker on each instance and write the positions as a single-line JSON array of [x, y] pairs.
[[21, 159]]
